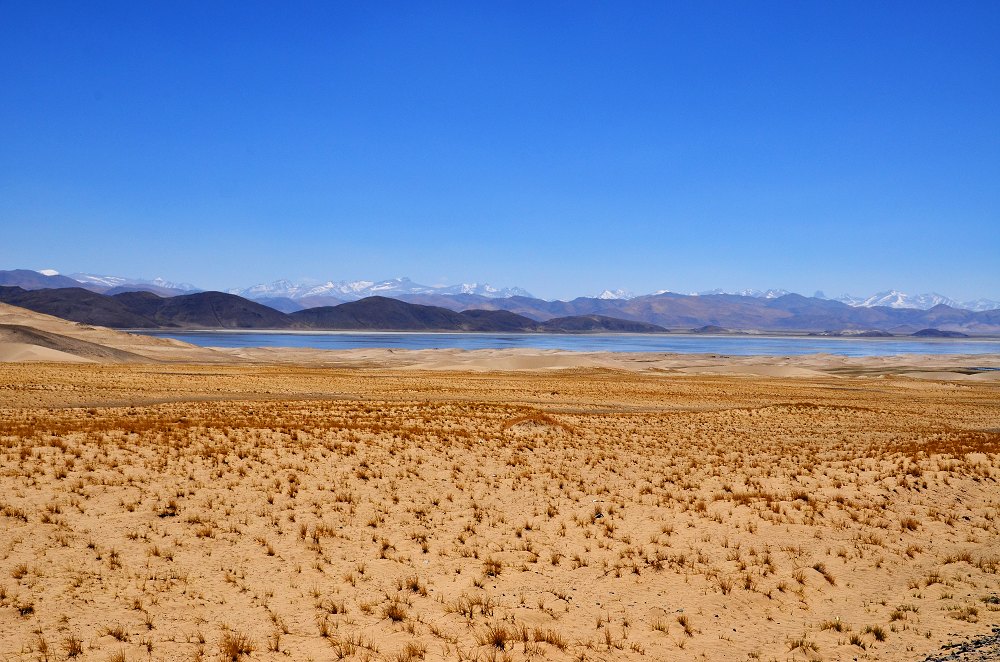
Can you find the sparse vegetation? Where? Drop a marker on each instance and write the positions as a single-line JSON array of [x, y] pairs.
[[72, 646], [496, 635], [453, 517], [235, 645]]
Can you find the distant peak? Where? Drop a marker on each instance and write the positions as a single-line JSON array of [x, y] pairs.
[[350, 290], [615, 294], [123, 281], [756, 294]]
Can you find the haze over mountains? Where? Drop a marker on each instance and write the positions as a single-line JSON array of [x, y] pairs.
[[888, 298], [417, 307]]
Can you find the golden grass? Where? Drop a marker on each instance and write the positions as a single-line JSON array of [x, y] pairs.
[[197, 512]]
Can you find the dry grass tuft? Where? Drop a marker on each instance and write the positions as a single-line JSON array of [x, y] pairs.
[[235, 645], [496, 635]]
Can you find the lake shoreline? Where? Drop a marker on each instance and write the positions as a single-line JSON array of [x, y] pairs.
[[712, 344]]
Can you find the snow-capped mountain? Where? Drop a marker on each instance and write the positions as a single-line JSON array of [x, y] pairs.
[[350, 290], [101, 281], [279, 288], [483, 289], [757, 294], [124, 281], [615, 294], [888, 298], [980, 305], [897, 299], [764, 294]]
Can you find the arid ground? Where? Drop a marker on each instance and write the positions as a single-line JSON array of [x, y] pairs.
[[163, 501], [186, 511]]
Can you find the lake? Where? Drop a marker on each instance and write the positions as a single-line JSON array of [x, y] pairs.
[[616, 342]]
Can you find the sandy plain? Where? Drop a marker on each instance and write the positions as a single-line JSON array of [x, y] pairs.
[[177, 503]]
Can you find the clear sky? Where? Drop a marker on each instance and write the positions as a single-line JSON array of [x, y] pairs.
[[563, 147]]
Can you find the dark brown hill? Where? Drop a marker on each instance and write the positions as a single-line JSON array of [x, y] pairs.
[[78, 305], [498, 321], [597, 323], [216, 310], [385, 314], [140, 302], [938, 333], [145, 310], [379, 313], [536, 309], [210, 310]]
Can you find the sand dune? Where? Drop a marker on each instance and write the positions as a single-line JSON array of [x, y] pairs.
[[19, 351], [98, 343], [65, 346], [940, 367]]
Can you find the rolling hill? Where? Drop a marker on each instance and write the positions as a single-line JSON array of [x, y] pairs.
[[470, 312], [787, 313], [383, 313], [218, 310]]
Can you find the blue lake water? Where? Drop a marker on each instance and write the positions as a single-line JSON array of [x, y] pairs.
[[672, 343]]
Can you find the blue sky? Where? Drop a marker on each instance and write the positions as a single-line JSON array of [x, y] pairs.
[[562, 147]]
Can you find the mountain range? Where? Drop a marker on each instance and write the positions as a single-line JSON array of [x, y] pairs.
[[887, 298], [122, 283], [788, 313], [220, 310], [477, 312], [289, 296], [49, 278], [358, 289], [117, 303]]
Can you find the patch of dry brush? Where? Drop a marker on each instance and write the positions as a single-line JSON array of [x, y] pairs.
[[684, 520]]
